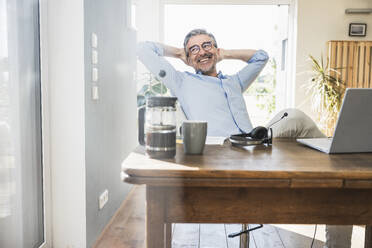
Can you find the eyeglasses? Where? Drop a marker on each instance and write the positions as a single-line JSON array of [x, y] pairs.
[[196, 48]]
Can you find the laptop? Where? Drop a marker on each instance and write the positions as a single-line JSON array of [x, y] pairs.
[[353, 132]]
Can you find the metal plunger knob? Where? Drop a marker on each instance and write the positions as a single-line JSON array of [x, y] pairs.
[[162, 73]]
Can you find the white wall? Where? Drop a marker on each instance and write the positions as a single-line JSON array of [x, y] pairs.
[[110, 121], [65, 57], [318, 22]]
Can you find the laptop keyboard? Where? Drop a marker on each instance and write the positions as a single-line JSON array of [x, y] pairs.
[[320, 143]]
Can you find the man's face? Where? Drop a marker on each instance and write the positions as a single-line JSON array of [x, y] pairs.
[[202, 54]]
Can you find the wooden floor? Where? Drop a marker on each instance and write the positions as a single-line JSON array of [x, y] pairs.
[[127, 230]]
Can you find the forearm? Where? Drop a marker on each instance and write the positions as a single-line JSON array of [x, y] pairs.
[[151, 54], [170, 51], [242, 54]]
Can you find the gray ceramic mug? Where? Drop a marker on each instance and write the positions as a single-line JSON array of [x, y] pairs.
[[194, 134]]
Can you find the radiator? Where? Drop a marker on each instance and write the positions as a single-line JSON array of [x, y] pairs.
[[352, 59]]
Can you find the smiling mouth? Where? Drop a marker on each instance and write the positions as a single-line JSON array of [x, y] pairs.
[[205, 59]]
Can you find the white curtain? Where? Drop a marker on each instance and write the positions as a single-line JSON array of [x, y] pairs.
[[21, 193]]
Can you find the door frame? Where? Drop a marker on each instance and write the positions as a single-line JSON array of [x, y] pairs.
[[45, 113]]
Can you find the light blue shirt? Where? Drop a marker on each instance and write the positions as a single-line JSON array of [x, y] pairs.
[[217, 100]]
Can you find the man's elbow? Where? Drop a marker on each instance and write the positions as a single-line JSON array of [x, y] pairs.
[[260, 57], [263, 56], [147, 47]]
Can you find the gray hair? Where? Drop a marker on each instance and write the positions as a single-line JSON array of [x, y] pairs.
[[195, 32]]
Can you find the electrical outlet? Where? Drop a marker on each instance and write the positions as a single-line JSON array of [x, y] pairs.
[[103, 199]]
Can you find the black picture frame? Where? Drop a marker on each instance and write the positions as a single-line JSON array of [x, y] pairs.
[[358, 29]]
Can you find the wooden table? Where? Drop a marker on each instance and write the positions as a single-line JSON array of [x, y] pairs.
[[285, 183]]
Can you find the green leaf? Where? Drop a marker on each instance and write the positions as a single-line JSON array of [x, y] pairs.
[[326, 90], [159, 88], [149, 94]]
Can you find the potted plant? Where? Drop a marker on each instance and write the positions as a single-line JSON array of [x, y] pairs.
[[152, 86], [326, 92]]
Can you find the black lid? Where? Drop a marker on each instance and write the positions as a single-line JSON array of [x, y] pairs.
[[161, 101]]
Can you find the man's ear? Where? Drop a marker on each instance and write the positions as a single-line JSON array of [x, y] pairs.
[[219, 58]]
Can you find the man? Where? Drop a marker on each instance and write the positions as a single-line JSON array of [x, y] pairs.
[[206, 94], [218, 99]]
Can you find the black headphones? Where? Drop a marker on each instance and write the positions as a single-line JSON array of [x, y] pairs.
[[259, 135]]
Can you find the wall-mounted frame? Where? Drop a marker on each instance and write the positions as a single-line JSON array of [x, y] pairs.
[[358, 29]]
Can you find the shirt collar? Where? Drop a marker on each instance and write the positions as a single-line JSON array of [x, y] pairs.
[[219, 74]]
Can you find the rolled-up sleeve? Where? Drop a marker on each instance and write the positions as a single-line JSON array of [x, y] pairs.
[[151, 55], [250, 72]]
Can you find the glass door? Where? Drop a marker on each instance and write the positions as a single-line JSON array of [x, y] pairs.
[[21, 180]]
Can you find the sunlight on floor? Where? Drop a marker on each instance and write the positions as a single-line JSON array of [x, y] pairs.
[[308, 230]]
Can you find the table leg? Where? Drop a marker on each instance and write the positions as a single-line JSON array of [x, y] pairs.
[[244, 238], [368, 237], [168, 235], [155, 221]]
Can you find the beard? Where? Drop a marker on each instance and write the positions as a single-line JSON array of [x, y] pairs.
[[211, 66], [206, 71]]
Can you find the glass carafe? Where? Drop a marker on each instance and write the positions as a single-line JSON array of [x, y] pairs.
[[160, 127]]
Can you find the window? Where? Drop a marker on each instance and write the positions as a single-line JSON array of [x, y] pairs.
[[238, 26]]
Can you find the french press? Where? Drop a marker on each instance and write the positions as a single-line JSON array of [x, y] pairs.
[[159, 127]]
